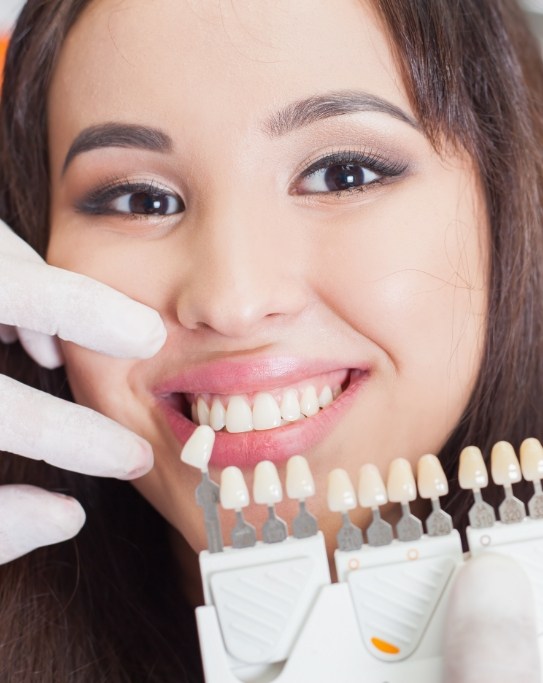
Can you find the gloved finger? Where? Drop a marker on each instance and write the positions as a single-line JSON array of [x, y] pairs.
[[43, 427], [31, 517], [45, 350], [8, 334], [12, 245], [490, 633], [78, 309]]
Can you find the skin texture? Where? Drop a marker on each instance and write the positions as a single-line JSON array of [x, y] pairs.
[[392, 278]]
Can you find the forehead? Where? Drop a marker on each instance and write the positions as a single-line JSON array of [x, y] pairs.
[[162, 61]]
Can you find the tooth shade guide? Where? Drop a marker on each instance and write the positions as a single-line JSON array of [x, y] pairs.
[[505, 466], [197, 450], [472, 472]]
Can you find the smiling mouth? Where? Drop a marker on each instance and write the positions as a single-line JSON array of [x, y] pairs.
[[263, 410]]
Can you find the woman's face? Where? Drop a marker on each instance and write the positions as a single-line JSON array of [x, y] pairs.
[[255, 173]]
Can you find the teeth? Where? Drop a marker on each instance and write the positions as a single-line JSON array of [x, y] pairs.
[[371, 488], [309, 402], [266, 485], [300, 484], [239, 417], [203, 411], [266, 414], [341, 495], [234, 493], [217, 415], [197, 450], [401, 485], [325, 397], [431, 480], [531, 459], [505, 466], [472, 473], [194, 414], [290, 406]]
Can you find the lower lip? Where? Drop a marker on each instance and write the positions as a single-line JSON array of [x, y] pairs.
[[246, 449]]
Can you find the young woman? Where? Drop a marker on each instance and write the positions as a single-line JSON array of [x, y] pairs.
[[336, 199]]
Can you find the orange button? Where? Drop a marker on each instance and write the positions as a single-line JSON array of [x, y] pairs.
[[4, 40], [385, 647]]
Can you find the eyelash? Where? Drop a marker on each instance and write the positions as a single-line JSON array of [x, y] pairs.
[[370, 161]]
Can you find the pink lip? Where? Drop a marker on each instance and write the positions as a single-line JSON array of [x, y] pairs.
[[248, 448]]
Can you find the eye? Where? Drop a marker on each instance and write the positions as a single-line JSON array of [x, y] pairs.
[[122, 198], [338, 178], [346, 172], [148, 203]]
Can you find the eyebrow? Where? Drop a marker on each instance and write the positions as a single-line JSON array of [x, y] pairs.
[[118, 135], [319, 107]]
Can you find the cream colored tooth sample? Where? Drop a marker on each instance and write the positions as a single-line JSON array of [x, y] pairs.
[[341, 494], [504, 464], [372, 492], [197, 449], [531, 459], [401, 485], [267, 489], [239, 416], [300, 484], [290, 406], [472, 472], [325, 397], [217, 415], [234, 493], [431, 480], [309, 402], [203, 411], [266, 414]]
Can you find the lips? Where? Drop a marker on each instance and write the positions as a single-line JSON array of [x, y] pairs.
[[266, 410]]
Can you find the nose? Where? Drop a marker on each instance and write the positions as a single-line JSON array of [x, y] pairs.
[[242, 276]]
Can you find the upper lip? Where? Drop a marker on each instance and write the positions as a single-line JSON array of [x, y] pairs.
[[234, 376]]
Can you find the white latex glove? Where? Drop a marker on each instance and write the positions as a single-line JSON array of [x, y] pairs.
[[36, 302], [491, 632]]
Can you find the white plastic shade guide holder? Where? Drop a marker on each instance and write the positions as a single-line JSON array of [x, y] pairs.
[[267, 490], [472, 474], [402, 489], [300, 486], [531, 462], [197, 452], [432, 484], [506, 471], [235, 496], [372, 494], [342, 498]]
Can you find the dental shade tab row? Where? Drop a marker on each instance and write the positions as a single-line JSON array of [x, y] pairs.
[[273, 606]]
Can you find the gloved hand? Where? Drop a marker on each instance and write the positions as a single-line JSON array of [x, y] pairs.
[[36, 301], [491, 632]]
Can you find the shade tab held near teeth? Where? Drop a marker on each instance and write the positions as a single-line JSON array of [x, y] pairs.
[[505, 466], [431, 480], [341, 494], [472, 472], [234, 493], [197, 449], [267, 489], [401, 486], [372, 492], [300, 483], [531, 459]]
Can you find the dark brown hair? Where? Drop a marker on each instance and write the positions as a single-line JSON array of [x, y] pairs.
[[107, 606]]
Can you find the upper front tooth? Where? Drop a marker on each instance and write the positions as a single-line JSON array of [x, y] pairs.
[[325, 397], [217, 415], [290, 406], [203, 411], [239, 417], [309, 403], [504, 464], [266, 414], [431, 480], [197, 450]]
